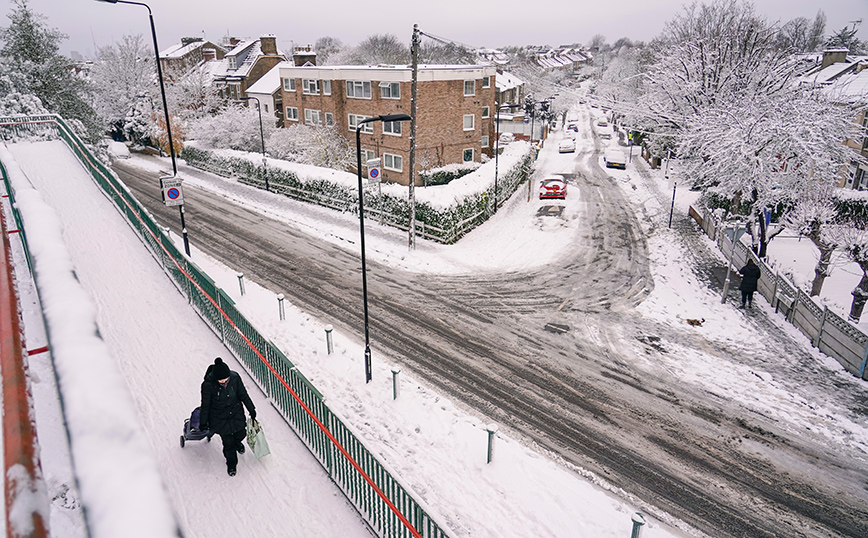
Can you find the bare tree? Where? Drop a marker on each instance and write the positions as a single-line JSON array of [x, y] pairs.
[[853, 240]]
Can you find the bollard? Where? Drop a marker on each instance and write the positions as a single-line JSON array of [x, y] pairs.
[[280, 306], [329, 346], [638, 521], [241, 282], [395, 387], [492, 429]]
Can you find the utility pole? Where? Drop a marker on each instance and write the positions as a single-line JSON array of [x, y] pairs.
[[414, 53]]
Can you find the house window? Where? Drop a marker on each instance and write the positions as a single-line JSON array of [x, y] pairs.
[[469, 122], [358, 90], [236, 90], [393, 162], [390, 90], [266, 107], [329, 119], [312, 117], [469, 87], [485, 112], [486, 82], [468, 155], [326, 87], [484, 141], [292, 113], [309, 87], [289, 84], [233, 62], [392, 128], [354, 120], [367, 155]]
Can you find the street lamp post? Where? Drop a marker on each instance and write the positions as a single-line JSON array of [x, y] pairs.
[[261, 136], [385, 118], [497, 107]]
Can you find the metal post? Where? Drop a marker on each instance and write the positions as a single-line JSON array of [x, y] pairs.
[[329, 345], [184, 231], [414, 53], [638, 521], [672, 207], [666, 172], [241, 282], [362, 243], [280, 309], [261, 136], [396, 389], [491, 429], [496, 147]]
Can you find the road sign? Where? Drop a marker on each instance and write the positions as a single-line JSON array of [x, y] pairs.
[[373, 170], [172, 193]]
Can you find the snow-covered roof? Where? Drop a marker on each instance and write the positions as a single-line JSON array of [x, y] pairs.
[[507, 81], [245, 53], [179, 50], [851, 87], [270, 82]]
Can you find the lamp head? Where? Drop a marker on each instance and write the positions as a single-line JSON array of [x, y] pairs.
[[108, 1], [395, 117]]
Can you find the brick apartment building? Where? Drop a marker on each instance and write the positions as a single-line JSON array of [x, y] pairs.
[[454, 111]]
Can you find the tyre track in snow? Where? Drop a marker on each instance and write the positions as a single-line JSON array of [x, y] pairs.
[[480, 337]]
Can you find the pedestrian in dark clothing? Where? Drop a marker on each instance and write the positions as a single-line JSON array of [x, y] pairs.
[[750, 275], [223, 393]]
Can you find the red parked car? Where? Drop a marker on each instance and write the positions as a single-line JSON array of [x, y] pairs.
[[553, 187]]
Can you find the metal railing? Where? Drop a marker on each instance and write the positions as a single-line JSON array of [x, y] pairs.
[[383, 501]]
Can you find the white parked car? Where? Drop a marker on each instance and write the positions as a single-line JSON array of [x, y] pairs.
[[506, 138], [567, 145], [615, 158], [119, 150]]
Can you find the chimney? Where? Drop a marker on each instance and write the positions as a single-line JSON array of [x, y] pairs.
[[303, 55], [209, 54], [834, 56], [268, 45]]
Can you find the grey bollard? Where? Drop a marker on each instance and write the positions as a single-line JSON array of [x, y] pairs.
[[329, 345], [280, 306], [638, 521], [241, 282], [396, 389], [492, 429]]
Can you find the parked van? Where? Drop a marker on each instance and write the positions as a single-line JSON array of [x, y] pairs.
[[615, 158]]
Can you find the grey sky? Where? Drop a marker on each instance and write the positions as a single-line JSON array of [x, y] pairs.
[[480, 23]]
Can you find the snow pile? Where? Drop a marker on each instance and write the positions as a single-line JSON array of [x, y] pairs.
[[115, 470]]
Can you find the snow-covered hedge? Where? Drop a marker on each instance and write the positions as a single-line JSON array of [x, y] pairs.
[[443, 213], [445, 174]]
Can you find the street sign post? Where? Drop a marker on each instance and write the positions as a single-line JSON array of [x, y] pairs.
[[172, 193], [373, 166]]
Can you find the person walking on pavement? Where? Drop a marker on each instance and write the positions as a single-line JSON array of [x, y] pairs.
[[221, 412], [750, 275]]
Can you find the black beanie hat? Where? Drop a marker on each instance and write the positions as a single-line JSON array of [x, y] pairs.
[[221, 370]]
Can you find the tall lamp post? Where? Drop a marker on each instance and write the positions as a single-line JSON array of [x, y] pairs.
[[261, 136], [385, 118], [497, 108]]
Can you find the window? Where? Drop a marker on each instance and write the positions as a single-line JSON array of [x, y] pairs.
[[393, 162], [485, 112], [266, 107], [326, 87], [469, 87], [329, 119], [310, 87], [367, 155], [233, 62], [468, 155], [289, 84], [390, 90], [358, 90], [312, 117], [469, 122], [292, 113], [486, 82], [484, 141], [392, 128], [354, 123]]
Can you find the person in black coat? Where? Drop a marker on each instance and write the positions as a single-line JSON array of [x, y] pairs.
[[221, 412], [750, 275]]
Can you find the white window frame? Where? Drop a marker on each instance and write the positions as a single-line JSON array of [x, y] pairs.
[[367, 155], [329, 119], [486, 82], [484, 141], [353, 122], [291, 113], [472, 85], [289, 84], [393, 89], [326, 87], [464, 153], [392, 128], [486, 112], [390, 160], [355, 87], [309, 86], [233, 62], [472, 118], [312, 117]]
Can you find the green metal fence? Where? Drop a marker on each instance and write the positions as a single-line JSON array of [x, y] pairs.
[[387, 506]]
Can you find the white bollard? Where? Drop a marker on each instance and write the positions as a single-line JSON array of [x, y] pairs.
[[396, 389], [280, 306], [241, 282], [638, 521], [492, 429], [329, 345]]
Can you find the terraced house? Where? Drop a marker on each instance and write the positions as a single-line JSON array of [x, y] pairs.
[[454, 111]]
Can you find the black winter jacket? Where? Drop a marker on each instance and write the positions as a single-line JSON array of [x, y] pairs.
[[221, 410], [750, 275]]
